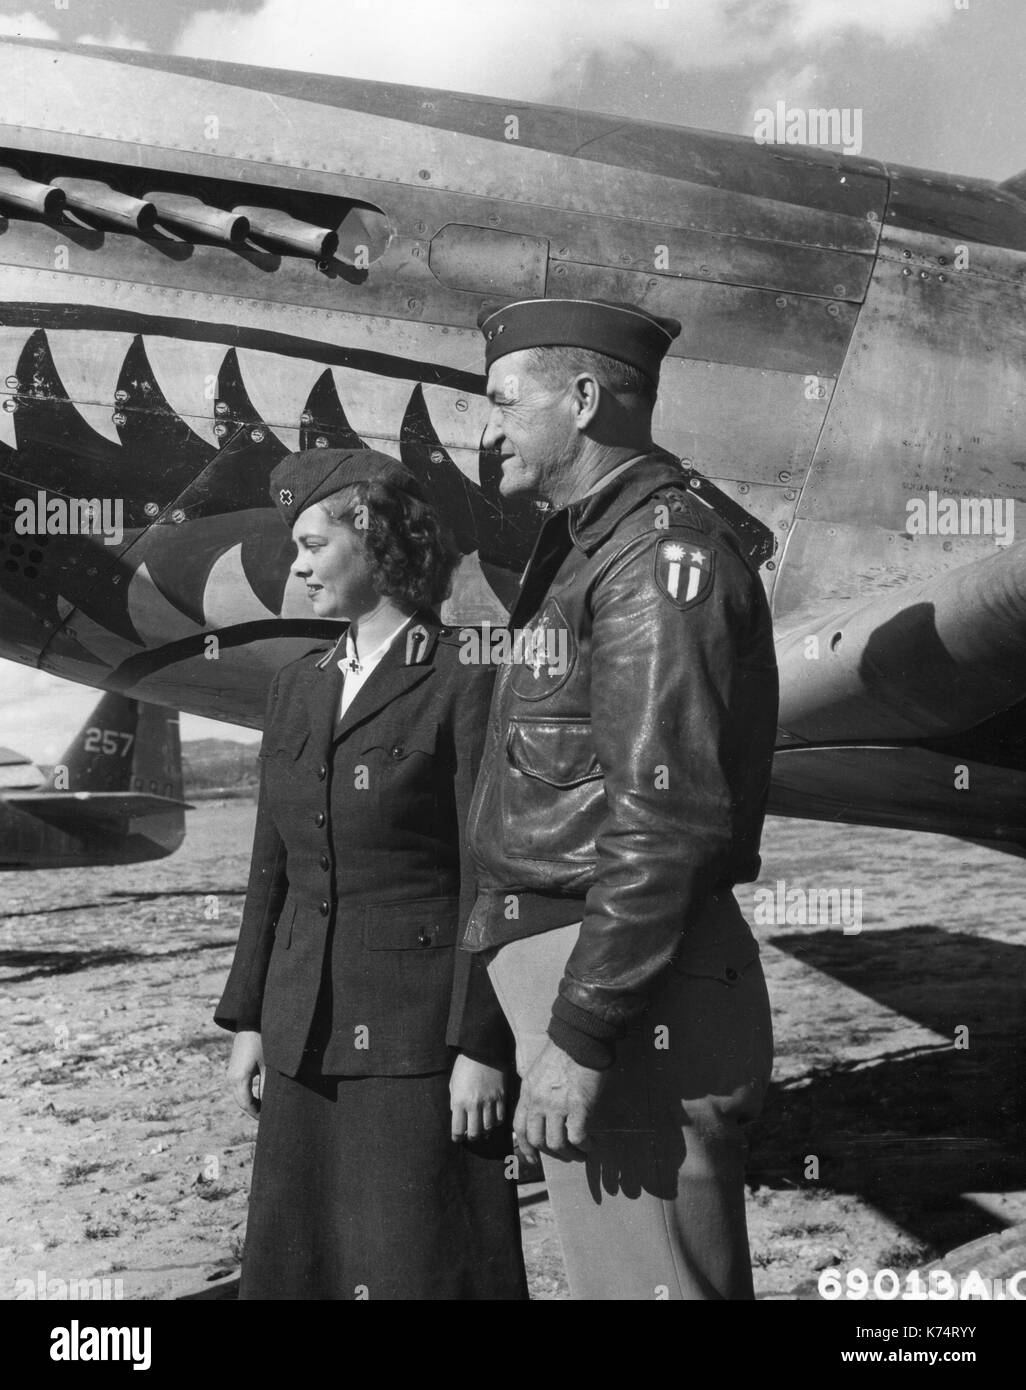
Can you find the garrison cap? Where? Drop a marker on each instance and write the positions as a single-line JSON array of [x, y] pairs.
[[302, 479], [622, 331]]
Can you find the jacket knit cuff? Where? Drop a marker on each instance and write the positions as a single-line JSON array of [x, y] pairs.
[[587, 1039]]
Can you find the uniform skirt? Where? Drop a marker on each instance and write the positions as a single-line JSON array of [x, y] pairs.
[[359, 1193]]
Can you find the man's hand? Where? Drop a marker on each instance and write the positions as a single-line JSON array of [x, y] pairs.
[[557, 1098], [247, 1062], [478, 1098]]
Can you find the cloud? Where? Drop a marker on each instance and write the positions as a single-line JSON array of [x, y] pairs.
[[527, 48], [26, 26], [886, 19], [30, 26], [795, 85], [117, 38], [39, 714]]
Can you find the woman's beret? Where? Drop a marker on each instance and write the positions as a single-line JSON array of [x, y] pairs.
[[302, 479]]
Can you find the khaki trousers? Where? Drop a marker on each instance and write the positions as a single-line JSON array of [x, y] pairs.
[[657, 1211]]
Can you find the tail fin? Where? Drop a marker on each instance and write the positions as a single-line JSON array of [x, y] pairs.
[[123, 746], [114, 798]]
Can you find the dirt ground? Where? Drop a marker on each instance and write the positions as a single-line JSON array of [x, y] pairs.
[[893, 1131]]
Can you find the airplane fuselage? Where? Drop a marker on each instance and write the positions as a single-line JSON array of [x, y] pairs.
[[853, 342]]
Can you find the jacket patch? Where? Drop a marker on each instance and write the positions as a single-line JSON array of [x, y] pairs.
[[684, 572], [543, 654]]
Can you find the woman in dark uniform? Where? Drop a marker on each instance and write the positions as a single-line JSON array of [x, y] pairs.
[[378, 1053]]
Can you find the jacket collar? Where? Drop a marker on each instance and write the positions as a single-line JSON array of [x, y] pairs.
[[594, 517], [587, 522], [405, 664]]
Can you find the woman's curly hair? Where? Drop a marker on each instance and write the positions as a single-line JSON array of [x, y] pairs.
[[411, 551]]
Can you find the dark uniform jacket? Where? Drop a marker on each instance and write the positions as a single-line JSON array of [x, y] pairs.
[[346, 955], [624, 780]]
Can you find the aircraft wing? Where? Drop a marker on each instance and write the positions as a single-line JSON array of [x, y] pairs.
[[83, 811], [909, 710], [870, 785]]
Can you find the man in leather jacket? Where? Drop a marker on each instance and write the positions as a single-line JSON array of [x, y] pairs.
[[620, 797]]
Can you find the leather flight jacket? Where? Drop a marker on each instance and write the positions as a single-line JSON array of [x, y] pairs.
[[627, 761]]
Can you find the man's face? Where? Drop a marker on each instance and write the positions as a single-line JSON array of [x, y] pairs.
[[531, 426]]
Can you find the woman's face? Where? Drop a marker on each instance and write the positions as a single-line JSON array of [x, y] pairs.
[[331, 560]]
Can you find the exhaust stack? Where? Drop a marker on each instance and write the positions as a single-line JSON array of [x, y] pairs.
[[283, 232], [192, 215], [99, 200], [27, 196]]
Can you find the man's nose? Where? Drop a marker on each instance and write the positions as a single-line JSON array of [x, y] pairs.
[[493, 435]]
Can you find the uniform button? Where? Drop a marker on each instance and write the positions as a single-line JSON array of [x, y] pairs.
[[397, 750], [322, 772], [325, 908], [325, 862], [319, 819], [732, 974], [425, 937]]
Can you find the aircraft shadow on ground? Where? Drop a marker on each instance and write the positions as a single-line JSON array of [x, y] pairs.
[[911, 1130], [116, 897], [35, 964]]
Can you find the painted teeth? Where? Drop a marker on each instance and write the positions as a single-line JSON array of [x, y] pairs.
[[274, 385], [459, 418], [12, 343], [89, 365], [186, 374], [90, 378], [374, 405]]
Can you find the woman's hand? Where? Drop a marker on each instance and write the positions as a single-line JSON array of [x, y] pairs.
[[247, 1062], [478, 1098]]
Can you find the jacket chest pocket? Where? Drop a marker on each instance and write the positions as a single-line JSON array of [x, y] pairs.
[[556, 751], [398, 751], [283, 747], [553, 795]]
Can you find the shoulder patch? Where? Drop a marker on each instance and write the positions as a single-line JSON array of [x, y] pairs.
[[683, 571]]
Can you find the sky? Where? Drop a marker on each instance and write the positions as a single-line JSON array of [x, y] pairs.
[[939, 84]]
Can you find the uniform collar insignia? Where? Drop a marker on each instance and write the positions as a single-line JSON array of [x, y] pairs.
[[419, 644]]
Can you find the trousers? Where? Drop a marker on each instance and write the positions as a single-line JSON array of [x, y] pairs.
[[657, 1209]]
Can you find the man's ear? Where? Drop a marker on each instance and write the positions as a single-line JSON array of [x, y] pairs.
[[586, 399]]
